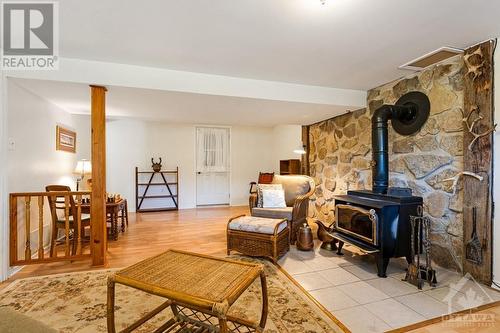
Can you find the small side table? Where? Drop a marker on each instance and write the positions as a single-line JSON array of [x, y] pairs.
[[198, 289]]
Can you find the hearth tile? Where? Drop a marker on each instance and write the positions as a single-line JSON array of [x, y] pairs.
[[396, 269], [363, 272], [340, 261], [319, 263], [426, 305], [356, 259], [456, 297], [359, 319], [488, 294], [393, 287], [338, 276], [305, 255], [293, 265], [362, 292], [394, 313], [311, 281], [446, 277], [333, 298]]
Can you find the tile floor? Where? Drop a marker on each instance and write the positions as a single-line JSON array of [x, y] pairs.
[[349, 287]]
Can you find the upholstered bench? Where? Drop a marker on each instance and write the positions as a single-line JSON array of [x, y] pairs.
[[258, 237]]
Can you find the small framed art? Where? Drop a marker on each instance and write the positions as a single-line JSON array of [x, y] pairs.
[[65, 139]]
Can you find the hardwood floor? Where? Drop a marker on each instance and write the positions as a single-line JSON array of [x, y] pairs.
[[199, 230]]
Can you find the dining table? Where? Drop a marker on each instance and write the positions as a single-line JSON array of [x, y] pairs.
[[114, 210]]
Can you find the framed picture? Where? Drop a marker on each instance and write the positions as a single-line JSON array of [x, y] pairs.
[[65, 139]]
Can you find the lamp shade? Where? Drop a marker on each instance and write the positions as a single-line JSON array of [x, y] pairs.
[[83, 167]]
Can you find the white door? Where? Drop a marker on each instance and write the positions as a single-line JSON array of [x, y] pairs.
[[212, 166]]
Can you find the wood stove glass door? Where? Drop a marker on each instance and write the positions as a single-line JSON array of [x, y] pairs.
[[358, 222]]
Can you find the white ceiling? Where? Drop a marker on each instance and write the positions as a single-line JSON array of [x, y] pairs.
[[355, 44], [180, 107]]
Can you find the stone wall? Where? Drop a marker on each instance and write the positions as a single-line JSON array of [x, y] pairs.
[[340, 155]]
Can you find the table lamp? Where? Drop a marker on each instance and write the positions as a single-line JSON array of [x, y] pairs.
[[83, 167]]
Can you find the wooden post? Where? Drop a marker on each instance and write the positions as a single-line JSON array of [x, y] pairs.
[[98, 196], [27, 250], [79, 230], [66, 225], [13, 229], [305, 157], [40, 227]]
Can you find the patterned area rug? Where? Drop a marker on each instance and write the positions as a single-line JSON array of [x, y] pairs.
[[76, 302]]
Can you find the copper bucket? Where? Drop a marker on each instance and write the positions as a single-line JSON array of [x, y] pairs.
[[305, 240]]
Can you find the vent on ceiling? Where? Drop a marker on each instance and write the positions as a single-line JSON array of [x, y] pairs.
[[431, 58]]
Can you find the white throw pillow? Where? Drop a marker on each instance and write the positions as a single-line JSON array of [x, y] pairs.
[[261, 187], [273, 199]]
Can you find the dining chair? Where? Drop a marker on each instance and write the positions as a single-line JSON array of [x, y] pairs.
[[58, 210]]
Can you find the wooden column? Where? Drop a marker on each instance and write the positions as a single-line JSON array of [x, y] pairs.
[[305, 157], [98, 197], [478, 153]]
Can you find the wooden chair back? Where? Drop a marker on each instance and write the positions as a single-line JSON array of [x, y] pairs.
[[264, 178], [58, 203]]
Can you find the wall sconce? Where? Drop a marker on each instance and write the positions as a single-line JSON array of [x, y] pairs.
[[300, 150]]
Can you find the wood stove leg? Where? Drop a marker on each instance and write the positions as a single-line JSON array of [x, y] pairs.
[[339, 249], [382, 264]]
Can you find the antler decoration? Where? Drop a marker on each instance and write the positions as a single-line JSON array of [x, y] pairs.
[[473, 65], [470, 126], [457, 177]]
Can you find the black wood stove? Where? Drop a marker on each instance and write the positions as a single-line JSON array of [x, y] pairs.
[[378, 221]]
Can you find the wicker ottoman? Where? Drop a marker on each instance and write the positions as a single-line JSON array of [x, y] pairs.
[[258, 237]]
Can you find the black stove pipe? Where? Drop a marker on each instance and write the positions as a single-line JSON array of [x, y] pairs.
[[380, 143]]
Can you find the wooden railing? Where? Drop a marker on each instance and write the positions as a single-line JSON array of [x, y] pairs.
[[28, 249]]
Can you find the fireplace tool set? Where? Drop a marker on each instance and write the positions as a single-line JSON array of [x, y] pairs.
[[418, 273], [474, 248]]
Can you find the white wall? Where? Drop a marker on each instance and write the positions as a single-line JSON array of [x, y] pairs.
[[286, 138], [251, 152], [496, 173], [132, 143], [81, 123], [4, 228], [34, 161]]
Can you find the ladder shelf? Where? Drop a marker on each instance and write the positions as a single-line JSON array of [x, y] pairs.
[[157, 180]]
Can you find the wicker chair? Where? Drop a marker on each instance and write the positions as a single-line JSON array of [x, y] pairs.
[[298, 189]]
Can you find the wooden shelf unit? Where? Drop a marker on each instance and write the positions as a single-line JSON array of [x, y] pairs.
[[290, 167], [141, 196]]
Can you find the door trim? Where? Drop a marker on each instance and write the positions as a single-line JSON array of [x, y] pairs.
[[229, 128]]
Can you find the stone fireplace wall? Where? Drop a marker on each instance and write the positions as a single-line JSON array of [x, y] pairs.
[[340, 155]]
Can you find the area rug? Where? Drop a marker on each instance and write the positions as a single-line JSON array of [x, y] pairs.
[[76, 302]]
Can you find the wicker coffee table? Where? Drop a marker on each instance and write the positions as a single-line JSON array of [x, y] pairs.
[[199, 289]]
